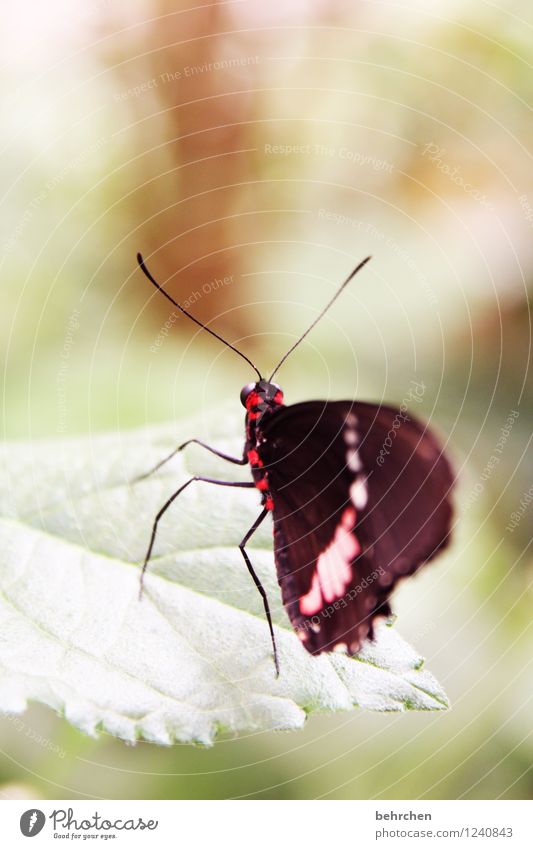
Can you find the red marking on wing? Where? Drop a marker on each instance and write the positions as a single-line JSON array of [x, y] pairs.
[[312, 600], [334, 566]]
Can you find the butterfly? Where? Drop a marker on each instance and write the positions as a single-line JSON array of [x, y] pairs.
[[359, 494]]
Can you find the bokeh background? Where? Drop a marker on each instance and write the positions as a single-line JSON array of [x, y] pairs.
[[255, 153]]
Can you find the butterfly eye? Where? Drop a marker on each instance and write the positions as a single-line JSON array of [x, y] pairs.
[[245, 392]]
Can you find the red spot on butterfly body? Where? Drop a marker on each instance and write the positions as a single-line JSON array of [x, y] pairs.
[[253, 458], [253, 400]]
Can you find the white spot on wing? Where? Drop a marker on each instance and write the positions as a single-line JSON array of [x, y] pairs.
[[359, 492], [351, 440], [350, 437], [312, 600], [351, 420], [353, 460]]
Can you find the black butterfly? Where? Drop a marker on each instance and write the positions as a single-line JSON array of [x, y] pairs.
[[359, 495]]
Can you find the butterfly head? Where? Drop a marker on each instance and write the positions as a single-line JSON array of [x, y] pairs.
[[261, 396]]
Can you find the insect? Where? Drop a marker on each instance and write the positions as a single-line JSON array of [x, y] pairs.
[[360, 497]]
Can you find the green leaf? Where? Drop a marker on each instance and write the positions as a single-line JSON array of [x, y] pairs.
[[193, 658]]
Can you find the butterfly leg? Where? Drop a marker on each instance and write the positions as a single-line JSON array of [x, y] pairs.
[[238, 461], [166, 505], [258, 583]]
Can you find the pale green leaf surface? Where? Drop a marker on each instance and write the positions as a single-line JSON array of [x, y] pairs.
[[193, 659]]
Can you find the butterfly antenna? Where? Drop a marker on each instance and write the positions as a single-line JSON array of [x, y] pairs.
[[140, 260], [324, 311]]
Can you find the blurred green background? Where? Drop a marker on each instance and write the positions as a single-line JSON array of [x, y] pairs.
[[255, 154]]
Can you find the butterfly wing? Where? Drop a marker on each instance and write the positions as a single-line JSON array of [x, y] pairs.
[[361, 499]]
